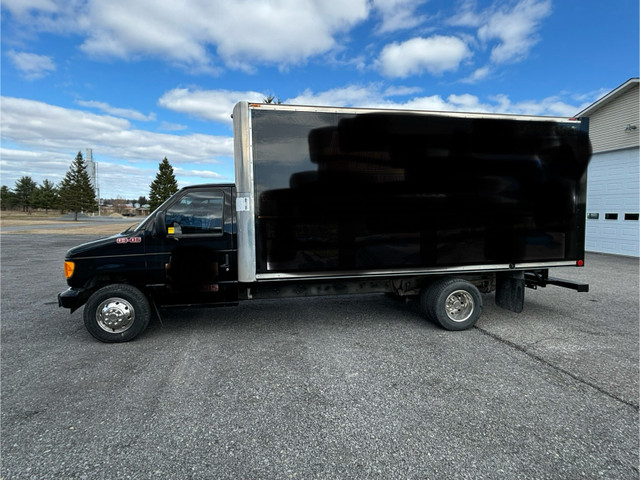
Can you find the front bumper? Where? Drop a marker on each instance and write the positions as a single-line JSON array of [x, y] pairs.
[[73, 298]]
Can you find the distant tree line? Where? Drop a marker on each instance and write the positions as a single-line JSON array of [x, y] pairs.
[[76, 194], [28, 195], [73, 194]]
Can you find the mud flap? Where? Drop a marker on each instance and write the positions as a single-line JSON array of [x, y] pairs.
[[510, 291]]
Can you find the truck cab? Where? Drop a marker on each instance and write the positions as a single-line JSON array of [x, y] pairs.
[[185, 253]]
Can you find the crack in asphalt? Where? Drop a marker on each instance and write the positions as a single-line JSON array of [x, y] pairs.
[[546, 362]]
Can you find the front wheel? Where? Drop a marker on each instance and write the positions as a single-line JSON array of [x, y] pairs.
[[453, 303], [117, 313]]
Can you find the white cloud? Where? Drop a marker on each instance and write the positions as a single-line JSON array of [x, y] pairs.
[[200, 174], [119, 180], [118, 112], [351, 95], [125, 29], [172, 127], [283, 32], [478, 75], [216, 105], [56, 16], [467, 16], [35, 134], [17, 163], [401, 90], [552, 106], [398, 14], [31, 65], [22, 7], [436, 55], [372, 96], [514, 26], [202, 35], [515, 29]]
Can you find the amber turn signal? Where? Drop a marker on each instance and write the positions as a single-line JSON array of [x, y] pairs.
[[69, 267]]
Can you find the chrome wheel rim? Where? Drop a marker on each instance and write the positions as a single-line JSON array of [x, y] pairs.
[[115, 315], [459, 305]]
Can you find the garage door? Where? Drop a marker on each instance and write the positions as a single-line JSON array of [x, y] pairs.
[[613, 197]]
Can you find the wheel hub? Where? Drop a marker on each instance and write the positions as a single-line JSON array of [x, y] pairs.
[[115, 315], [459, 305]]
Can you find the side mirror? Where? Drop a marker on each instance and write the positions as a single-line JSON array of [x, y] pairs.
[[159, 228]]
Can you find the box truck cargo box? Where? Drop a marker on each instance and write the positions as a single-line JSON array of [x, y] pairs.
[[437, 206]]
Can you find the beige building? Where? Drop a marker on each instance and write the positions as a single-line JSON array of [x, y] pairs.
[[613, 184]]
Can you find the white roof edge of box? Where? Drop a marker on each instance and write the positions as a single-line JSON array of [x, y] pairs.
[[329, 109]]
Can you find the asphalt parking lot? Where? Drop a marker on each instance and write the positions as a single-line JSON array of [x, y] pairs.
[[343, 387]]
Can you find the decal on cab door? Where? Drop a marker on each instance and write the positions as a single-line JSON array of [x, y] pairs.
[[128, 240]]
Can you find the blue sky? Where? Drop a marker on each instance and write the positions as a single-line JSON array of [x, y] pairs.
[[138, 80]]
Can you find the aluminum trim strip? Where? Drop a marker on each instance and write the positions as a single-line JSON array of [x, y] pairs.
[[410, 271]]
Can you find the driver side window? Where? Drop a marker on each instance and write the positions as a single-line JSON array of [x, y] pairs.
[[197, 213]]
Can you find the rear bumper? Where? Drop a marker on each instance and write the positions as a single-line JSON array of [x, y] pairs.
[[540, 278], [73, 298]]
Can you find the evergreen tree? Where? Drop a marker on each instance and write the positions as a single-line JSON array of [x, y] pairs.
[[272, 99], [76, 193], [7, 198], [24, 193], [163, 186], [46, 196]]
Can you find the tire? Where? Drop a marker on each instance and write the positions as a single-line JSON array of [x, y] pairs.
[[453, 303], [117, 313]]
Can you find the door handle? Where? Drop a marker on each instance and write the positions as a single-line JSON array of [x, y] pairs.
[[227, 262]]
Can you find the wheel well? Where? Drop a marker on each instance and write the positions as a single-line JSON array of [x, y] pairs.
[[100, 281], [413, 286], [484, 282]]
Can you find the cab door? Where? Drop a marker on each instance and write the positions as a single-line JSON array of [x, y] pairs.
[[192, 253]]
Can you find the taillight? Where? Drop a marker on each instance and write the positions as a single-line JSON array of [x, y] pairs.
[[69, 267], [580, 263]]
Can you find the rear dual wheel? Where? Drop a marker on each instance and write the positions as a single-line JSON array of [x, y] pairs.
[[453, 303]]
